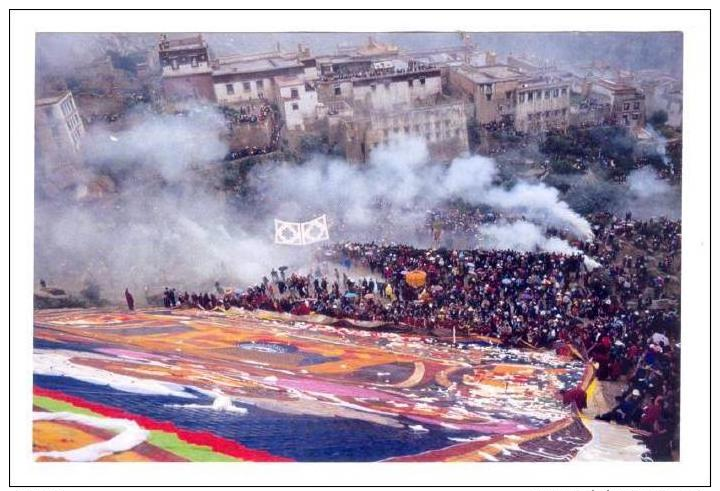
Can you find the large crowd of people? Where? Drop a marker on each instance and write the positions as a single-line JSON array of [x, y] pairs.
[[252, 115], [245, 114], [624, 315], [412, 67]]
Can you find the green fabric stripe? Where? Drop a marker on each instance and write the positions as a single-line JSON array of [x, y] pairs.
[[195, 453], [56, 406], [164, 440]]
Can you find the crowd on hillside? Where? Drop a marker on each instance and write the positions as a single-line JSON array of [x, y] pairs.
[[253, 115], [624, 315], [248, 113]]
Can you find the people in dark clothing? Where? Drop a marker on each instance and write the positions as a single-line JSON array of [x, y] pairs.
[[129, 300], [627, 412]]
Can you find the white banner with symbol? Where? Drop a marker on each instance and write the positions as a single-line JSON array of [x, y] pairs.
[[301, 233]]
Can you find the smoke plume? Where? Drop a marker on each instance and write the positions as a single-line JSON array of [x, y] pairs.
[[401, 179], [166, 225]]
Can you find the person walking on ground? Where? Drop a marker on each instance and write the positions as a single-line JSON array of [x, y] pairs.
[[130, 300]]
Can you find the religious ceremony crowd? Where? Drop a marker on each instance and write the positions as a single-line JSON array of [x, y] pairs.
[[623, 315]]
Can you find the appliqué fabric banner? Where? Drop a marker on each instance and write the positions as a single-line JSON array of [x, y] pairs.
[[293, 233]]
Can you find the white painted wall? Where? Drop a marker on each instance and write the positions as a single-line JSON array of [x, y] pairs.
[[300, 109], [240, 94], [386, 96]]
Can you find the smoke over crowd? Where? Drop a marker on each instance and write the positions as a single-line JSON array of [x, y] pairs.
[[400, 180], [166, 224]]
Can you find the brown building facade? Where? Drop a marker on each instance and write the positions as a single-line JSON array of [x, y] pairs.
[[443, 127], [186, 69]]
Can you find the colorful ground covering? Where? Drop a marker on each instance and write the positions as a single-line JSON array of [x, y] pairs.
[[187, 385]]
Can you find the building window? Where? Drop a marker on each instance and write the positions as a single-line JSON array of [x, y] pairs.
[[636, 105], [547, 94], [529, 96], [295, 107], [556, 93], [508, 94], [410, 82], [521, 98], [174, 64], [294, 93], [246, 86], [488, 97], [193, 61], [338, 91], [259, 84], [422, 80], [563, 91], [636, 116], [229, 89], [626, 106]]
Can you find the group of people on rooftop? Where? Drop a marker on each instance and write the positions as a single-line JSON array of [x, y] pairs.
[[375, 72]]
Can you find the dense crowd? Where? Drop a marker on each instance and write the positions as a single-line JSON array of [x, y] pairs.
[[246, 114], [374, 72], [458, 221], [623, 316], [249, 116]]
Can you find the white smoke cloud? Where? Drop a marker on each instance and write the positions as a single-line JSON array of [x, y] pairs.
[[402, 176], [164, 143], [167, 226], [645, 183], [527, 237]]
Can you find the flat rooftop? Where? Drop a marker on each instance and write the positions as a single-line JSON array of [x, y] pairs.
[[614, 86], [252, 66], [49, 100], [542, 83], [288, 81], [489, 74], [190, 42]]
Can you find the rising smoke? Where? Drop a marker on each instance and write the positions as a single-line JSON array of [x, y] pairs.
[[166, 225], [399, 183]]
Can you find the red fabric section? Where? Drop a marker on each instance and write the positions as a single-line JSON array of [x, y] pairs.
[[218, 444]]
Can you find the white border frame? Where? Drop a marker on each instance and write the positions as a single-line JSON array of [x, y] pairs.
[[694, 466]]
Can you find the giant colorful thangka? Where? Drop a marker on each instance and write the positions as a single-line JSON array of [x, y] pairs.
[[188, 385]]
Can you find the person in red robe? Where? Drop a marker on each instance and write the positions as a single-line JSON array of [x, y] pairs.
[[575, 396]]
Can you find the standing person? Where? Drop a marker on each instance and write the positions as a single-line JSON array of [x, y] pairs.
[[130, 300], [576, 396]]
